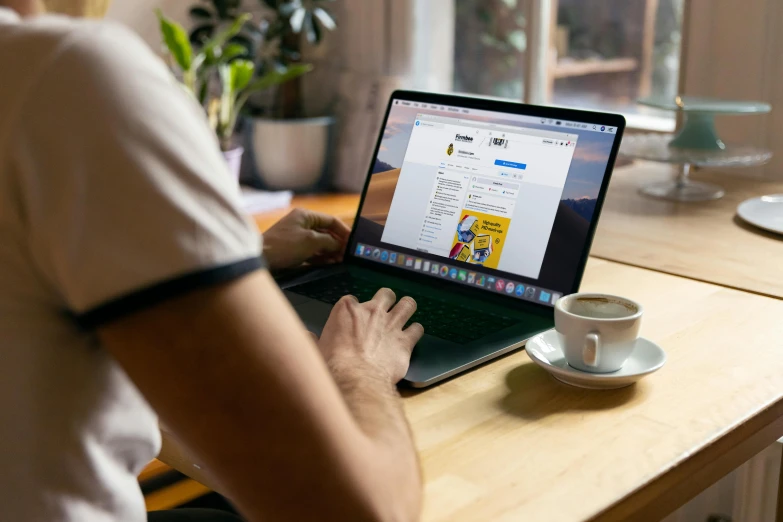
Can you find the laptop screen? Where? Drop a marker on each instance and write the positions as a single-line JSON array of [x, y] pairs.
[[498, 201]]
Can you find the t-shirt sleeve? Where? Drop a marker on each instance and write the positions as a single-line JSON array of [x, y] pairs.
[[124, 192]]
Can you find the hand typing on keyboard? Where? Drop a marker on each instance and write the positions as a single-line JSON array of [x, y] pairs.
[[440, 317], [371, 336]]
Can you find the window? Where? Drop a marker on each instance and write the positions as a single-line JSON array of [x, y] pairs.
[[489, 47], [599, 54]]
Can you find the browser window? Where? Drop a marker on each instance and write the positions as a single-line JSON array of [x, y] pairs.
[[494, 200], [493, 192]]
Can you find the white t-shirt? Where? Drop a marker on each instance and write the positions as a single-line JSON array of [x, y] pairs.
[[113, 197]]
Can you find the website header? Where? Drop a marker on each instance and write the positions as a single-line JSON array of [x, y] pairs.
[[465, 122], [549, 122]]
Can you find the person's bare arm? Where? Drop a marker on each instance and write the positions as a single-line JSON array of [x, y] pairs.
[[233, 373]]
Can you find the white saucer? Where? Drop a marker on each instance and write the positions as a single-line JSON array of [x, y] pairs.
[[545, 350], [765, 212]]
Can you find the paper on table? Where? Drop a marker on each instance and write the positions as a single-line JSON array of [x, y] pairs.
[[257, 201]]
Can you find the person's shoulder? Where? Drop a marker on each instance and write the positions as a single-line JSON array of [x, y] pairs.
[[49, 36], [104, 45]]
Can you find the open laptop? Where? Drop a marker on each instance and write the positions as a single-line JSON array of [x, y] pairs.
[[483, 211]]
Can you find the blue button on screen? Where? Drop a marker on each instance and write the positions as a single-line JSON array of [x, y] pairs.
[[510, 164]]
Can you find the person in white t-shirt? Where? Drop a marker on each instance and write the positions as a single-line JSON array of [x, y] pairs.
[[132, 288]]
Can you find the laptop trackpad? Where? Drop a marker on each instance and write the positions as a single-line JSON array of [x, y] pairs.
[[314, 315]]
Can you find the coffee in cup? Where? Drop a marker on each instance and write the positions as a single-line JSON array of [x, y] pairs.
[[598, 332]]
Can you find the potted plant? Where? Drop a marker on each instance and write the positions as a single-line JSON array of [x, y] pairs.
[[220, 79], [290, 150]]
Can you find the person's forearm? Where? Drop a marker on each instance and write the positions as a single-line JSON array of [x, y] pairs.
[[377, 407]]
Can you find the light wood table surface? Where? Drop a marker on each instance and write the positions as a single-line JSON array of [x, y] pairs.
[[703, 241], [342, 206], [507, 442]]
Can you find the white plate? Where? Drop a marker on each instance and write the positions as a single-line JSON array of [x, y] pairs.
[[545, 350], [765, 212]]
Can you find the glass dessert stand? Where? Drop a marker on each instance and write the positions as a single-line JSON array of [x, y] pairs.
[[697, 145]]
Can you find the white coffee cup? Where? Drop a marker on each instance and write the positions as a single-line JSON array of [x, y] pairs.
[[598, 332]]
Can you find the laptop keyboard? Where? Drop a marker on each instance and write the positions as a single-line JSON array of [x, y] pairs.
[[439, 318]]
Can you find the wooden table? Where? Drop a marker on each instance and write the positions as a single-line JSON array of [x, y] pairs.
[[703, 241], [507, 442], [342, 206]]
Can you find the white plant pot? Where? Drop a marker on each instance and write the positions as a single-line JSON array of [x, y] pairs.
[[233, 159], [291, 154]]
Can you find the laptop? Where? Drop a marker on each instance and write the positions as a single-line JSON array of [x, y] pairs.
[[483, 211]]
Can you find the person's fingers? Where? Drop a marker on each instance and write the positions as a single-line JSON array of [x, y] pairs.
[[414, 333], [323, 244], [402, 311], [331, 224], [385, 298]]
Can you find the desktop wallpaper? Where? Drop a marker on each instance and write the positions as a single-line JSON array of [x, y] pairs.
[[574, 215]]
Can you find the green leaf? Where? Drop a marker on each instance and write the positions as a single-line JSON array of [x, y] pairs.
[[325, 18], [232, 50], [288, 9], [220, 39], [176, 39], [241, 74], [297, 19], [272, 78], [312, 31]]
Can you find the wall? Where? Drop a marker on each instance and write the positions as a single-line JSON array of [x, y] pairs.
[[139, 16]]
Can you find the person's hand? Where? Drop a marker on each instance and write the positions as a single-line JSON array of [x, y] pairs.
[[370, 336], [305, 236]]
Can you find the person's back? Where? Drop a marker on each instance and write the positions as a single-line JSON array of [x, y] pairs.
[[71, 422], [130, 283]]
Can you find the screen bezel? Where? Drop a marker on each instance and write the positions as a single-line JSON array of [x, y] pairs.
[[556, 113]]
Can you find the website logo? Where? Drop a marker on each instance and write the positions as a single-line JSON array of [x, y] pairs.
[[463, 275], [463, 137], [555, 298], [544, 297], [409, 262], [510, 287], [435, 268], [376, 253], [444, 271], [384, 256], [471, 277], [417, 264], [520, 291], [450, 150], [500, 285], [393, 257], [359, 250], [453, 273], [480, 280]]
